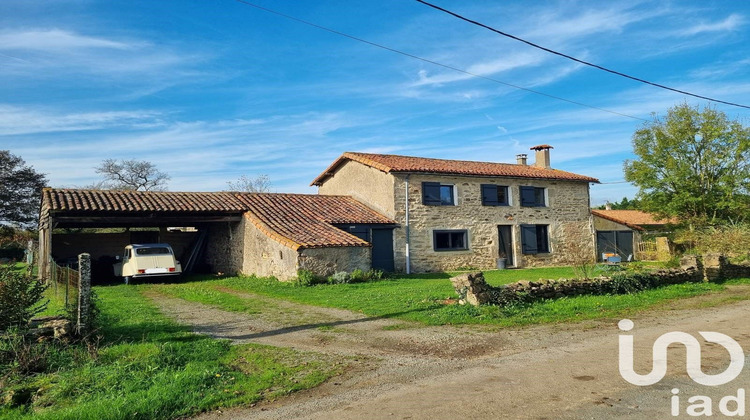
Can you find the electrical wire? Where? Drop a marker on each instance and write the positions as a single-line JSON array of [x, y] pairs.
[[576, 59], [416, 57]]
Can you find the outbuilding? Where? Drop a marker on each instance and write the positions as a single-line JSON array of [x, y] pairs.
[[253, 233]]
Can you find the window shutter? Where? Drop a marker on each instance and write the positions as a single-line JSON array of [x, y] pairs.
[[528, 196], [489, 195], [528, 239], [431, 193]]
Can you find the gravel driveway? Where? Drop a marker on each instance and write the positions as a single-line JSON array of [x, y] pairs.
[[403, 370]]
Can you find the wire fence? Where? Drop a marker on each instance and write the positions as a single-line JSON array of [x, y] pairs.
[[64, 281]]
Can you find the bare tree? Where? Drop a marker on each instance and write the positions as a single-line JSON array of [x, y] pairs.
[[137, 175], [260, 183]]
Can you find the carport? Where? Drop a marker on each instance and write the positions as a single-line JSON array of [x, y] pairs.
[[76, 209]]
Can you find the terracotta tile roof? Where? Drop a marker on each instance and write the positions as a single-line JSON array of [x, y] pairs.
[[635, 219], [396, 163], [295, 220], [305, 220], [139, 201]]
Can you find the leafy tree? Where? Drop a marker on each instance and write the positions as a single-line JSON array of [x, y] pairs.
[[624, 204], [694, 165], [136, 175], [20, 191], [261, 183]]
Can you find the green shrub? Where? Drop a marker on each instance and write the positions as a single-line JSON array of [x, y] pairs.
[[20, 298], [308, 278], [342, 277], [626, 283], [358, 276]]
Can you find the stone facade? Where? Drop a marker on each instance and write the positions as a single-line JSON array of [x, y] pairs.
[[241, 248], [266, 257], [365, 184], [326, 261], [567, 216]]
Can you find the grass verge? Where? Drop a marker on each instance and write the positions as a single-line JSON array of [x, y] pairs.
[[148, 367], [422, 298]]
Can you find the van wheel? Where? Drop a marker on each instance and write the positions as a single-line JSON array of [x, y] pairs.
[[127, 279]]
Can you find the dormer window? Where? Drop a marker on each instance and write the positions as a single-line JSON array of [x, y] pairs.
[[437, 194]]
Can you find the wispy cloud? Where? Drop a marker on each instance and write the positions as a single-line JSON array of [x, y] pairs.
[[730, 23], [56, 40], [19, 120], [50, 54]]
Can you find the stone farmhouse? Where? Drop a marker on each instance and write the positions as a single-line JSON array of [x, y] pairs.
[[389, 212], [454, 214]]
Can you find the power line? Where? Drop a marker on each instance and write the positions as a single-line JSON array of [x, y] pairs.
[[576, 59], [416, 57]]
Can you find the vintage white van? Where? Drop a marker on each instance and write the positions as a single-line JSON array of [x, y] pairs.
[[147, 260]]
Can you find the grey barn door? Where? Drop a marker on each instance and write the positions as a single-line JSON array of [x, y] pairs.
[[382, 249]]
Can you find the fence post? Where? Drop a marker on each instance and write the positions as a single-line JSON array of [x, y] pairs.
[[84, 293]]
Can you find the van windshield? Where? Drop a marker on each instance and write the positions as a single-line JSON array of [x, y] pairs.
[[152, 251]]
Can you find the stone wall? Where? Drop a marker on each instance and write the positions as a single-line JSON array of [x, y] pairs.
[[225, 247], [326, 261], [473, 289], [266, 257], [368, 185], [718, 267], [567, 215]]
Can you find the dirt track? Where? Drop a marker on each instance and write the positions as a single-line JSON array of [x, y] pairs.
[[402, 370]]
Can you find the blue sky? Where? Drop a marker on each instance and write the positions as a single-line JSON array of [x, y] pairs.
[[209, 91]]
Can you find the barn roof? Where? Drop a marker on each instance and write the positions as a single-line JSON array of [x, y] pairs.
[[634, 219], [295, 220]]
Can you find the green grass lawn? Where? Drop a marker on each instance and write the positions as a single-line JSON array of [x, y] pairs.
[[148, 367], [422, 298]]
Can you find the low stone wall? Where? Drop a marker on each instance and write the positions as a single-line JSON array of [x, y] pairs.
[[718, 267], [473, 289]]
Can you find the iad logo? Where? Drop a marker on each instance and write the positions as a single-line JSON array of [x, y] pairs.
[[699, 405], [693, 347]]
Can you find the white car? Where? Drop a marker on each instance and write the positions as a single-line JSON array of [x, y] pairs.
[[147, 260]]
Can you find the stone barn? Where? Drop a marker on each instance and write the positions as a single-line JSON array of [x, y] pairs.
[[251, 233]]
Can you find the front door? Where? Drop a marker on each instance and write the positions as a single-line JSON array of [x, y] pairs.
[[505, 242]]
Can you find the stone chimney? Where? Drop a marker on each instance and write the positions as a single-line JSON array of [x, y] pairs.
[[541, 159], [608, 206], [521, 159]]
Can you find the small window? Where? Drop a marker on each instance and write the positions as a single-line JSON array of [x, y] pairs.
[[494, 195], [533, 197], [450, 240], [152, 251], [535, 239], [437, 194]]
